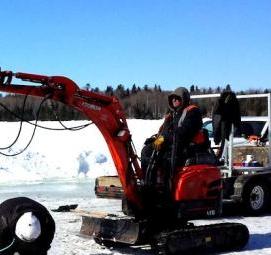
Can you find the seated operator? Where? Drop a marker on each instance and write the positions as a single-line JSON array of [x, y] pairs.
[[181, 131], [26, 227]]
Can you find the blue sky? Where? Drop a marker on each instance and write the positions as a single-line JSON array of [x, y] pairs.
[[167, 42]]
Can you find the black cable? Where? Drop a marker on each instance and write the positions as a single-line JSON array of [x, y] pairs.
[[32, 136], [75, 128], [54, 129], [67, 128], [20, 129]]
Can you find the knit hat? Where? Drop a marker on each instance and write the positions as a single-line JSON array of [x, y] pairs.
[[28, 227]]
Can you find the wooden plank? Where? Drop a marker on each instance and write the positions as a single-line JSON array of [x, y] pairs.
[[108, 181], [108, 187]]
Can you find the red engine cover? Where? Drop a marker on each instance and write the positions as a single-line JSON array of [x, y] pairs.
[[197, 182]]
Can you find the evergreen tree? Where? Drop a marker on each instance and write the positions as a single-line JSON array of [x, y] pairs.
[[120, 91], [218, 90], [159, 88], [127, 93], [134, 89], [210, 90], [146, 87], [109, 91], [228, 87], [96, 90], [87, 87]]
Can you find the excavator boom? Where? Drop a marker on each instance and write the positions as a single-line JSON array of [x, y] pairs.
[[105, 112]]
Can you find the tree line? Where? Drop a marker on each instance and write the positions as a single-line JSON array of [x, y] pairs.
[[138, 102]]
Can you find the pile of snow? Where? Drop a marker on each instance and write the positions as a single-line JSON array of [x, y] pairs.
[[61, 155]]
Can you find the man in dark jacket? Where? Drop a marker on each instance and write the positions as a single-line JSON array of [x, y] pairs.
[[226, 113], [181, 128], [26, 227]]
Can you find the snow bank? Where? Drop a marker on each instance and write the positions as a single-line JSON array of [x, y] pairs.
[[61, 155]]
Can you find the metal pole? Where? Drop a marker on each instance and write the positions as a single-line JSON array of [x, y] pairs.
[[269, 128], [230, 150]]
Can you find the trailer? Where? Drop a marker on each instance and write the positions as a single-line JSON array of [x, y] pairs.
[[247, 186]]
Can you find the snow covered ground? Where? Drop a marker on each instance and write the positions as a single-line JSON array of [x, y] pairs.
[[59, 168]]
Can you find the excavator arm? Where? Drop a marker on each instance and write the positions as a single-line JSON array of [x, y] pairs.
[[105, 112]]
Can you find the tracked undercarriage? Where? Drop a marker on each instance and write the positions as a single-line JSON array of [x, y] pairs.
[[116, 230], [165, 226]]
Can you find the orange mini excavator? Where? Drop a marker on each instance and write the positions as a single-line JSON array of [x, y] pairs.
[[149, 216]]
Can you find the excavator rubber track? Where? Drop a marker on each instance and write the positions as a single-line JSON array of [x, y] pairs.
[[202, 239]]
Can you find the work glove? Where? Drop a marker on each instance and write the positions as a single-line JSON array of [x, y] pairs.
[[158, 143], [150, 140]]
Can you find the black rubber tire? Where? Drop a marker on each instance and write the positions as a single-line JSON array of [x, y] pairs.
[[256, 198]]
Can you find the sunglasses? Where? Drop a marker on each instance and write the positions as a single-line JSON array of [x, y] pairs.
[[176, 98]]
